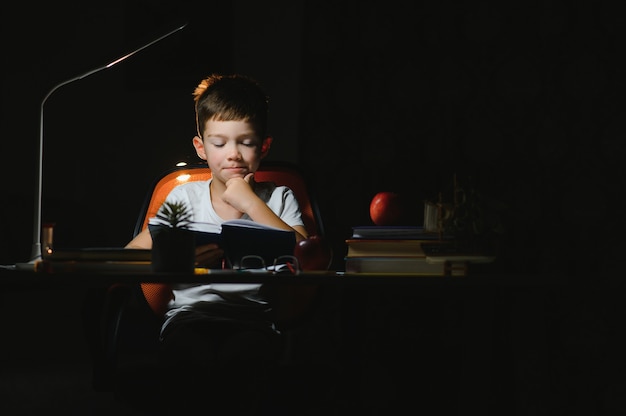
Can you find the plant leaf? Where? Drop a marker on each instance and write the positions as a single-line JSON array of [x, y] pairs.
[[175, 214]]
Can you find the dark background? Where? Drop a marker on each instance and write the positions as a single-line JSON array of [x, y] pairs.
[[525, 99]]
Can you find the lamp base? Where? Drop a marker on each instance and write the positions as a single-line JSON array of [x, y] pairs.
[[30, 266]]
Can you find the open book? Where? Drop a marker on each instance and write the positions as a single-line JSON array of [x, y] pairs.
[[239, 238], [391, 232]]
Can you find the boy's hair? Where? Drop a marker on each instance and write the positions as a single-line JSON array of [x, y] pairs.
[[231, 98]]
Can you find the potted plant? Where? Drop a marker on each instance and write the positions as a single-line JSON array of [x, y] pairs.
[[474, 219], [173, 242]]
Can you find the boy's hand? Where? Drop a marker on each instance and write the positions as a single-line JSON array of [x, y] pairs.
[[239, 193], [209, 256]]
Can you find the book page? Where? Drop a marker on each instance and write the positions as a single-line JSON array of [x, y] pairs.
[[251, 224]]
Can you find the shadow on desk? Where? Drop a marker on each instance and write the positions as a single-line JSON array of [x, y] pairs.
[[45, 365], [375, 346]]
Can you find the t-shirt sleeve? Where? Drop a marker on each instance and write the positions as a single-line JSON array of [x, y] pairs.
[[284, 203], [178, 195]]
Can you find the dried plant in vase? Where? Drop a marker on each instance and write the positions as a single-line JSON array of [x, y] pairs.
[[474, 219], [174, 215], [173, 243]]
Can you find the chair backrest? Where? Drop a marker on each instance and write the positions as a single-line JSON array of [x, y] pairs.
[[281, 173]]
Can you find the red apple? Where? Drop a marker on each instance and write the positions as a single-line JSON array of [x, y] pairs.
[[313, 253], [387, 208]]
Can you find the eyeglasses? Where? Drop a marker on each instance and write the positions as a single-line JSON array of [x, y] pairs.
[[282, 265]]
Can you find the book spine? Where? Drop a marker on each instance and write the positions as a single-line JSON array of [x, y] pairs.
[[360, 252], [407, 266], [60, 266], [387, 247]]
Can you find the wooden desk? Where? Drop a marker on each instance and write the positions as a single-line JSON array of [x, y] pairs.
[[389, 342], [26, 278]]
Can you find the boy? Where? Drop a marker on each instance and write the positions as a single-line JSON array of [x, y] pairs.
[[217, 343]]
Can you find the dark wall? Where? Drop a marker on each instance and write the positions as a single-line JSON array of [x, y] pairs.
[[524, 100]]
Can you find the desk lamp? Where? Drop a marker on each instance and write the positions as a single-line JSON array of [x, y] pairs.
[[36, 248]]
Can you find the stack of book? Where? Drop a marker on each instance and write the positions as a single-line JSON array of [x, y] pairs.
[[405, 250], [90, 259]]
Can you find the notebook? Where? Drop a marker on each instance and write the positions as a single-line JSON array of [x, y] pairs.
[[242, 237], [97, 254]]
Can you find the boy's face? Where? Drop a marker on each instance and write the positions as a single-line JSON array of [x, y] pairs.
[[231, 148]]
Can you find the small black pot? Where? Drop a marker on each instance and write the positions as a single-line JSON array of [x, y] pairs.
[[173, 250]]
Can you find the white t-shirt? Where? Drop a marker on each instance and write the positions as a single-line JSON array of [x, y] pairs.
[[223, 301]]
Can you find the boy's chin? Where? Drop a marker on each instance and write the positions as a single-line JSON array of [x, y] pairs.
[[235, 172], [228, 176]]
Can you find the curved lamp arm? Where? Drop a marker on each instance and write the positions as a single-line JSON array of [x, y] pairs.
[[36, 249]]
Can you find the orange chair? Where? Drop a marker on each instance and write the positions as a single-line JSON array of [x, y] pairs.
[[132, 316], [281, 173], [157, 295]]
